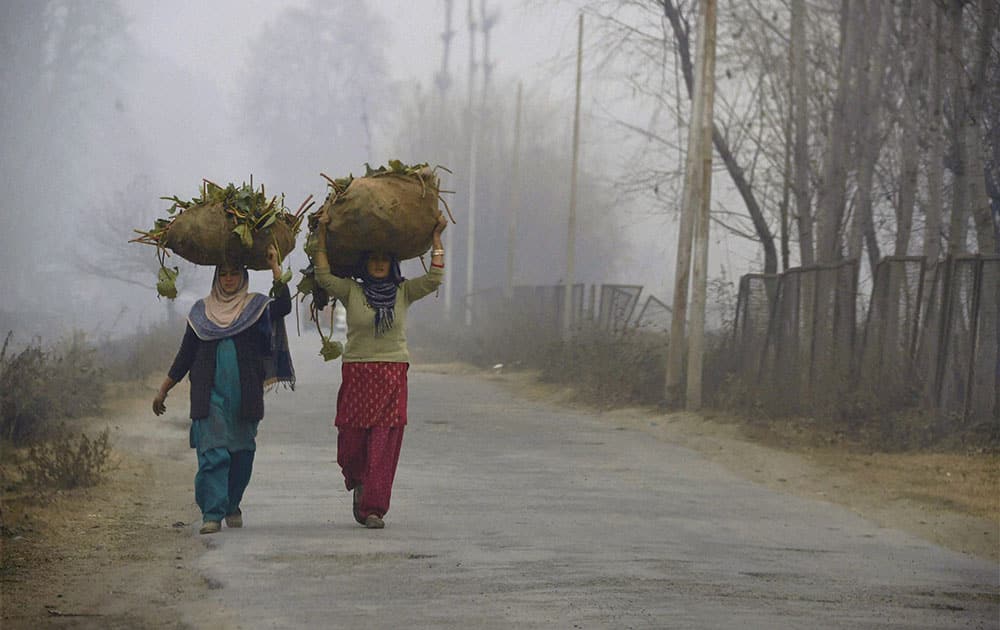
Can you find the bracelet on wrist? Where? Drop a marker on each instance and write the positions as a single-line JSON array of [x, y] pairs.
[[437, 252]]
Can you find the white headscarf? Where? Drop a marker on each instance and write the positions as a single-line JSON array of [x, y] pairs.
[[223, 308]]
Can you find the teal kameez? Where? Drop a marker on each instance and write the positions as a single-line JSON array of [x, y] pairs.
[[225, 443]]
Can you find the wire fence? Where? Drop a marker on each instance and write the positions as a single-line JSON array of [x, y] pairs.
[[959, 348], [654, 316], [930, 336], [806, 351], [608, 307], [886, 356]]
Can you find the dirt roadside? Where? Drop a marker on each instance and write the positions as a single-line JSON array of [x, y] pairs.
[[121, 555], [118, 555]]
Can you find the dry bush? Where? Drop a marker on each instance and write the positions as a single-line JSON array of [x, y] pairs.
[[67, 462], [609, 370], [38, 385], [603, 368]]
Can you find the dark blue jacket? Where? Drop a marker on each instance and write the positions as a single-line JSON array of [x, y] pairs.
[[253, 347]]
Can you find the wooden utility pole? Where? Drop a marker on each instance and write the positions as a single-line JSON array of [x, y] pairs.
[[470, 244], [443, 82], [515, 198], [701, 199], [487, 22], [571, 223], [443, 78], [682, 270]]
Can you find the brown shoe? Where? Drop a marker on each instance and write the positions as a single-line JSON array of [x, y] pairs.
[[374, 522], [357, 504], [210, 527], [235, 519]]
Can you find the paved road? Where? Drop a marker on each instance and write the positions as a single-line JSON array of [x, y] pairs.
[[512, 514]]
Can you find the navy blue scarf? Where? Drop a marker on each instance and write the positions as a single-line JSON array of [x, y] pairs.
[[381, 292]]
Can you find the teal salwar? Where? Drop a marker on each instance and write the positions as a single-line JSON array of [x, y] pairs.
[[225, 443], [223, 477]]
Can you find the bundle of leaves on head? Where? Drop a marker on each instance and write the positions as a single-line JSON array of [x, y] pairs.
[[392, 209], [223, 226]]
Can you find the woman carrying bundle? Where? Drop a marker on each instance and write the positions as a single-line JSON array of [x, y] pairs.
[[371, 404], [234, 346]]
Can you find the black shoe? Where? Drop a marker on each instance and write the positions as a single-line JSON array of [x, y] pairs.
[[235, 519], [357, 504]]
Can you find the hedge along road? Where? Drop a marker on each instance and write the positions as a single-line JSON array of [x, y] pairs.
[[515, 514]]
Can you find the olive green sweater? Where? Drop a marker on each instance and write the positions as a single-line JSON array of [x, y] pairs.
[[362, 344]]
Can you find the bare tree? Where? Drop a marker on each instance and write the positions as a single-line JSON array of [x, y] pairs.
[[60, 60], [316, 89], [635, 33], [103, 249], [863, 114]]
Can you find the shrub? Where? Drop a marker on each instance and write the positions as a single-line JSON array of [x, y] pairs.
[[37, 385], [610, 370], [66, 462]]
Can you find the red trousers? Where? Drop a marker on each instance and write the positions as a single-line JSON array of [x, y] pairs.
[[369, 457]]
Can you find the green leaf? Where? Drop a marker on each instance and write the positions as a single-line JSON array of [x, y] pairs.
[[331, 349], [165, 284], [306, 284], [243, 231]]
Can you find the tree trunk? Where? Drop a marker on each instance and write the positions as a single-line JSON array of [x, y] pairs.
[[979, 201], [870, 55], [915, 86], [800, 113], [960, 187], [935, 166], [832, 196]]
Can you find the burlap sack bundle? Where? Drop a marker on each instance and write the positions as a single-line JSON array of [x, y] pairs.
[[203, 234], [393, 213]]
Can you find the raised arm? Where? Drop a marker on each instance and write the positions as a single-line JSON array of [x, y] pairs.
[[437, 253], [430, 281], [282, 304], [339, 288]]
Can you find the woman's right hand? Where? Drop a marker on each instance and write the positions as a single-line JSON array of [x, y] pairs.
[[322, 225]]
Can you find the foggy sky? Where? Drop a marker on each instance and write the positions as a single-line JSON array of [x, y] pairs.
[[170, 114]]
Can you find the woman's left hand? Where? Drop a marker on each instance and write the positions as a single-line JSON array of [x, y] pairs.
[[272, 260], [442, 223]]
